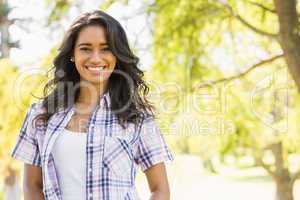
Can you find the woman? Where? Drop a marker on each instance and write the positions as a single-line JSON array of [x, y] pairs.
[[85, 139]]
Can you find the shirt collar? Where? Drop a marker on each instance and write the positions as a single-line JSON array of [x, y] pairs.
[[104, 101]]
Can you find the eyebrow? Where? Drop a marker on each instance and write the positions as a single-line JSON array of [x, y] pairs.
[[89, 44]]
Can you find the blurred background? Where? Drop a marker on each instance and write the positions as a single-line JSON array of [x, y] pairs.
[[224, 77]]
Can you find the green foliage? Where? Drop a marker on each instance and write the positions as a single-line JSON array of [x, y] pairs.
[[107, 3], [202, 40], [1, 196], [199, 41], [16, 94], [5, 9], [60, 8], [180, 40]]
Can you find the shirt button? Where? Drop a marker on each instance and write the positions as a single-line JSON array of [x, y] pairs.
[[90, 170]]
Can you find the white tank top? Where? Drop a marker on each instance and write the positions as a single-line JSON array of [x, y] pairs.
[[69, 154]]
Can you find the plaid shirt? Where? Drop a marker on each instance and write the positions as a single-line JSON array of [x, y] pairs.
[[113, 153]]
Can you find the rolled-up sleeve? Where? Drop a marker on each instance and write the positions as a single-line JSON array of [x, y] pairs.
[[26, 148], [151, 146]]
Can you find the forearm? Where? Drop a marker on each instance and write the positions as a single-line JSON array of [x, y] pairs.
[[33, 194], [158, 182], [160, 195]]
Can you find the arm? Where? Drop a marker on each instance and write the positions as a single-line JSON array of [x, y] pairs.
[[158, 182], [33, 183]]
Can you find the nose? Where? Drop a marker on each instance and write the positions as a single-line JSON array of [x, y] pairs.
[[96, 58]]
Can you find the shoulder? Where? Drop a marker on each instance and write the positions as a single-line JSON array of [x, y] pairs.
[[35, 109], [149, 126], [33, 113], [148, 119]]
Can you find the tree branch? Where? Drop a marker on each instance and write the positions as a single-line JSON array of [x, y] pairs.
[[295, 176], [263, 62], [253, 28], [263, 7], [266, 167], [247, 24]]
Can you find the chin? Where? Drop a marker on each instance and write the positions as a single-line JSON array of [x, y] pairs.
[[96, 80]]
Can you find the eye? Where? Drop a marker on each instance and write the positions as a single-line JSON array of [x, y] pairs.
[[106, 49], [84, 49]]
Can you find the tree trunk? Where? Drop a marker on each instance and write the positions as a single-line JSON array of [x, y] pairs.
[[282, 175], [4, 46], [284, 189], [289, 36], [209, 166], [5, 43]]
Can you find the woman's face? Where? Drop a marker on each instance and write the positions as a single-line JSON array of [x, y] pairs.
[[93, 59]]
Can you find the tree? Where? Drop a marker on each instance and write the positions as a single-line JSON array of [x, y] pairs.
[[289, 37], [190, 32], [16, 91], [186, 37], [6, 44], [10, 122]]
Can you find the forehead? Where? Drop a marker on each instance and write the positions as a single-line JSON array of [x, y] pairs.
[[92, 34]]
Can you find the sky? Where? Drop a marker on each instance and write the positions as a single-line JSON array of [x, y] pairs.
[[36, 39]]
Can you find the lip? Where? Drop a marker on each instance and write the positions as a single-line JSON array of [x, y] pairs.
[[95, 71]]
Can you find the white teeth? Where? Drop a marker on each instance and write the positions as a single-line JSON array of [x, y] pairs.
[[96, 68]]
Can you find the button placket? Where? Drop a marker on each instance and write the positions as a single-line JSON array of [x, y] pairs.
[[89, 146]]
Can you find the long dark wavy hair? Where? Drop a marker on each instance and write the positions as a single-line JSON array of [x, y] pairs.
[[57, 96]]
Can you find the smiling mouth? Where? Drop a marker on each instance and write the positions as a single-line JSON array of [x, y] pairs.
[[96, 70]]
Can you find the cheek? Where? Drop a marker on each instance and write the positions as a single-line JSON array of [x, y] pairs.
[[79, 58], [112, 60], [78, 65], [79, 61]]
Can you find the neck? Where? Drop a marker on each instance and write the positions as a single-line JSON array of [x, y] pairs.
[[90, 94]]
